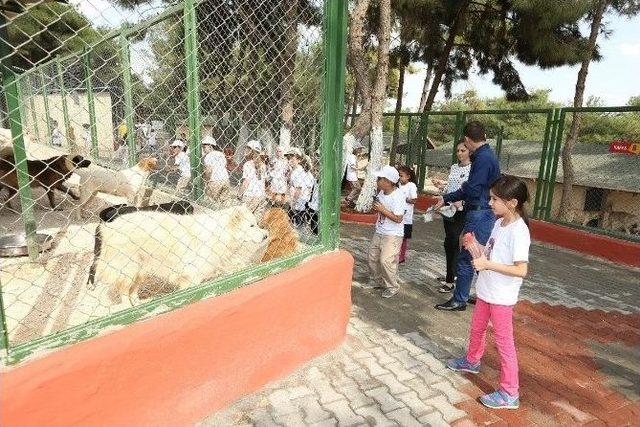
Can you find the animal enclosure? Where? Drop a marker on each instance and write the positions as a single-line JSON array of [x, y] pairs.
[[171, 154]]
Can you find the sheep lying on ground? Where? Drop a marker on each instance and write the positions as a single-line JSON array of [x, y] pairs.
[[179, 249]]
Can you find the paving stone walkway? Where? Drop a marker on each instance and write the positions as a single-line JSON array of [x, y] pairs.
[[577, 334]]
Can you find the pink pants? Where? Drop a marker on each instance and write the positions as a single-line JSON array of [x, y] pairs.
[[501, 317], [403, 250]]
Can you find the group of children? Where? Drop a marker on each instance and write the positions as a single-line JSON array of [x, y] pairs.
[[501, 266], [285, 179]]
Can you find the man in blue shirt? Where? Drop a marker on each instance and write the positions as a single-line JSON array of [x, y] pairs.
[[479, 218]]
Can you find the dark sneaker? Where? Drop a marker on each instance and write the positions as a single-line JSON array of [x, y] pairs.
[[462, 365], [500, 400], [451, 305]]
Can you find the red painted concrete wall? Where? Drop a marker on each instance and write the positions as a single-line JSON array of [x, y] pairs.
[[616, 250], [424, 202], [176, 368]]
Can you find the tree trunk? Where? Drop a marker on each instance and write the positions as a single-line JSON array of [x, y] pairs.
[[396, 119], [425, 87], [567, 151], [456, 26], [377, 108], [350, 106], [360, 72], [354, 108], [288, 65]]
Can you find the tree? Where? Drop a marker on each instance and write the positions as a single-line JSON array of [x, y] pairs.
[[378, 97], [595, 15], [401, 59], [47, 30]]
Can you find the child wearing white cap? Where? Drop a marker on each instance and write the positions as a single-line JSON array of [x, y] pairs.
[[215, 169], [253, 176], [390, 205], [178, 150]]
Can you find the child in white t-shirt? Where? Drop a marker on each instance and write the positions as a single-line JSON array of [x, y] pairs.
[[314, 203], [253, 176], [300, 185], [215, 169], [410, 192], [279, 173], [502, 267], [352, 174], [390, 205], [178, 150]]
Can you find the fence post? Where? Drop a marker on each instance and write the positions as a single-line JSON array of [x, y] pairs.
[[32, 107], [556, 156], [543, 161], [65, 107], [335, 40], [128, 96], [10, 88], [4, 332], [422, 167], [45, 100], [407, 144], [410, 144], [499, 142], [193, 97], [457, 133], [90, 100]]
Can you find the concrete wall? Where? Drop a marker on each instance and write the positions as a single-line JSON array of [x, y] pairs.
[[176, 368], [78, 107]]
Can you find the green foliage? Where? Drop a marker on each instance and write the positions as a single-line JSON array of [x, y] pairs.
[[48, 30], [596, 127]]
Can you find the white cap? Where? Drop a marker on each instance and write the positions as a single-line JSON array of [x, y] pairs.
[[208, 140], [177, 143], [294, 151], [389, 172], [255, 145]]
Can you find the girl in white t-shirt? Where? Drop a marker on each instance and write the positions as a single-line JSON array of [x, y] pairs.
[[410, 192], [253, 176], [502, 266]]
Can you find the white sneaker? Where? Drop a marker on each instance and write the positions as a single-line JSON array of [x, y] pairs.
[[388, 293]]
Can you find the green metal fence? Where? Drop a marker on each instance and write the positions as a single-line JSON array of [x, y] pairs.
[[529, 144], [267, 71]]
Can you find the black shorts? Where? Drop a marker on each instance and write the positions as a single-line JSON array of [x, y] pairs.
[[408, 229]]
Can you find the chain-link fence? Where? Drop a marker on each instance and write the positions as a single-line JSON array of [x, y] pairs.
[[595, 183], [530, 144], [154, 155]]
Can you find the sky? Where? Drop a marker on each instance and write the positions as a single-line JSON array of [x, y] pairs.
[[614, 79]]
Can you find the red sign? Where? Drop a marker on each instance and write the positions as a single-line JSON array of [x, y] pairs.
[[625, 147]]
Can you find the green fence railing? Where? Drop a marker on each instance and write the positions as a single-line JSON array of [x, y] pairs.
[[195, 80]]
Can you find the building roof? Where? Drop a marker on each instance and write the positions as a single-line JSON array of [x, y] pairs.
[[593, 164]]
